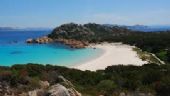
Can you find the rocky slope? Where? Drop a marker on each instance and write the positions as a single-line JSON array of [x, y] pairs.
[[65, 88], [88, 32]]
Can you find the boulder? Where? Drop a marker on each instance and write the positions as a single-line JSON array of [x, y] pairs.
[[44, 84], [37, 92], [58, 90], [29, 40]]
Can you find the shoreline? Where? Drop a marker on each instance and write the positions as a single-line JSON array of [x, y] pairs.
[[113, 54]]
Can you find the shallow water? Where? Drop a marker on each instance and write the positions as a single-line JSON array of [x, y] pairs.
[[14, 50]]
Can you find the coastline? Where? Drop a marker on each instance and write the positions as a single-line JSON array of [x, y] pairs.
[[114, 54]]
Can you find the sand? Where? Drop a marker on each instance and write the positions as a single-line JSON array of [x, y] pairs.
[[114, 54]]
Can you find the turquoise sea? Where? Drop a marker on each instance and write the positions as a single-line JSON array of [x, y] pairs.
[[14, 50]]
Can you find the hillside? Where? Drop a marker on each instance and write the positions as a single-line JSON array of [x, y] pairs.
[[153, 42], [48, 80], [89, 32]]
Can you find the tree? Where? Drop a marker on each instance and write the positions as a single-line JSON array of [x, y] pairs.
[[106, 86]]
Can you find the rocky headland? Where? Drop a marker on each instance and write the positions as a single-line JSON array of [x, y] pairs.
[[79, 36], [41, 40], [69, 42]]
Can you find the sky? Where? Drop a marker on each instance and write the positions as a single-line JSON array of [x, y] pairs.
[[52, 13]]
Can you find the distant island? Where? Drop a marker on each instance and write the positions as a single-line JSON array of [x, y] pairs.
[[22, 29], [6, 28], [144, 28]]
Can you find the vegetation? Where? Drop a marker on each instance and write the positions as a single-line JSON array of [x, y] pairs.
[[149, 57], [151, 78]]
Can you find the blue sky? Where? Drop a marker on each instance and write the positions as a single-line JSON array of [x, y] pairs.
[[51, 13]]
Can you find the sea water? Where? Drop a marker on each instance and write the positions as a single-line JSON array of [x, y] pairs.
[[14, 50]]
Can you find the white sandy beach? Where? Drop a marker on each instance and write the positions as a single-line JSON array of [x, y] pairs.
[[114, 54]]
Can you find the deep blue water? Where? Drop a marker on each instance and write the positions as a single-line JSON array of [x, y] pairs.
[[14, 50]]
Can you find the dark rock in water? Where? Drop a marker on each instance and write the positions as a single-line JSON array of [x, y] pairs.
[[42, 40], [16, 52]]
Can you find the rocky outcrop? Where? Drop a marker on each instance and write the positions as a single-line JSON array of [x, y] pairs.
[[44, 84], [66, 88], [41, 40], [54, 90], [5, 90], [73, 43], [72, 91], [37, 92], [30, 40], [63, 88], [70, 42], [58, 90]]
